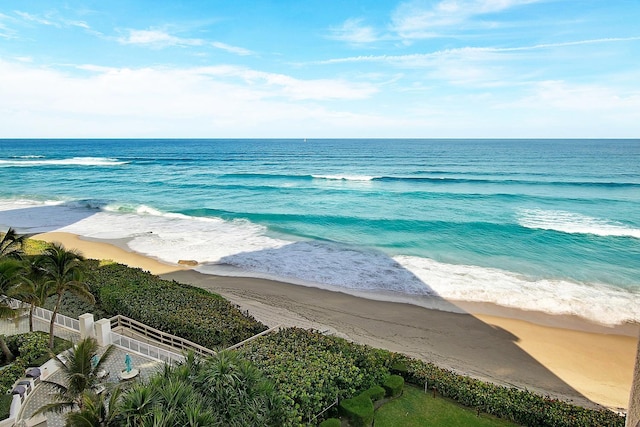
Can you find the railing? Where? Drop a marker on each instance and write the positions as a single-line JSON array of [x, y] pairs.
[[145, 349], [45, 315], [241, 343], [158, 336]]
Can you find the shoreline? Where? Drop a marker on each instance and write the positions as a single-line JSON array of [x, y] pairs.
[[562, 356]]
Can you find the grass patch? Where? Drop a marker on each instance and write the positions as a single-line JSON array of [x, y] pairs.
[[415, 409]]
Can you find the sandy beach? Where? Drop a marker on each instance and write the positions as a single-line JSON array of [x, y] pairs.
[[568, 358]]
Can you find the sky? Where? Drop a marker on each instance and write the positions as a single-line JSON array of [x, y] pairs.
[[320, 69]]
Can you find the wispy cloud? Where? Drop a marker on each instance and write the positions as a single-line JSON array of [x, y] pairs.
[[51, 19], [354, 32], [232, 49], [566, 96], [159, 39], [418, 59], [418, 20]]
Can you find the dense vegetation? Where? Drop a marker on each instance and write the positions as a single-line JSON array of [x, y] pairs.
[[186, 311], [311, 370], [30, 349]]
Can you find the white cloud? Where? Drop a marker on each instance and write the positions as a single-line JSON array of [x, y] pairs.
[[417, 19], [352, 31], [207, 101], [157, 38], [232, 49], [161, 39], [52, 19], [561, 95]]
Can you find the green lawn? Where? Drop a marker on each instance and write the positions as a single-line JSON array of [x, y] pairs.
[[415, 408]]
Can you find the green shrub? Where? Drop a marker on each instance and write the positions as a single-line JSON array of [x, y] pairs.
[[32, 346], [374, 393], [393, 385], [310, 370], [10, 374], [331, 422], [398, 367], [359, 410], [5, 406], [183, 310]]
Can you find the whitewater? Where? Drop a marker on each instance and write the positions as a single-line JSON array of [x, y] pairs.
[[541, 225]]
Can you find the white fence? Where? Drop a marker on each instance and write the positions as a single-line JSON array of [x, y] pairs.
[[45, 315], [147, 350]]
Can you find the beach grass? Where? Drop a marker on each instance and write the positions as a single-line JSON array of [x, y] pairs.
[[417, 408]]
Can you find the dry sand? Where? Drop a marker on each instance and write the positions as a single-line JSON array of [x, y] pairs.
[[566, 358]]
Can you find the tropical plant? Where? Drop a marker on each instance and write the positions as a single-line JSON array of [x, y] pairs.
[[80, 371], [63, 271], [238, 392], [221, 390], [11, 244], [96, 410], [10, 276], [33, 289]]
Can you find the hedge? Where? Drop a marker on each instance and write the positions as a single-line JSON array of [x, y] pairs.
[[331, 422], [375, 393], [393, 385], [183, 310], [520, 406], [358, 409]]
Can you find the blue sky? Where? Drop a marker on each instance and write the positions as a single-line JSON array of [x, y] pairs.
[[320, 69]]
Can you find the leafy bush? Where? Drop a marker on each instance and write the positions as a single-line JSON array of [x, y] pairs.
[[10, 374], [310, 369], [331, 422], [32, 346], [359, 410], [31, 349], [5, 406], [186, 311], [393, 385], [398, 367]]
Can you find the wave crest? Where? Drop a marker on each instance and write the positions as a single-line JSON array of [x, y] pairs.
[[27, 161], [570, 222]]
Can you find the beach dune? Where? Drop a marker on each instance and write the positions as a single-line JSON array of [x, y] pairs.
[[568, 358]]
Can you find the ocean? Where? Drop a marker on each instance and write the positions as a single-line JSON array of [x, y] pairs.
[[542, 225]]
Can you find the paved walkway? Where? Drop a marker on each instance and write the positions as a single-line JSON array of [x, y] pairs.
[[42, 393]]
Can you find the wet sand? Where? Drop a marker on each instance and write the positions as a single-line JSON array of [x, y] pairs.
[[565, 357]]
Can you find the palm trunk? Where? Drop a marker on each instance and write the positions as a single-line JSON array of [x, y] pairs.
[[53, 321], [8, 356], [31, 310]]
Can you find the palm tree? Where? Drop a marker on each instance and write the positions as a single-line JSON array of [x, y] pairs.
[[237, 391], [33, 290], [64, 271], [96, 411], [80, 377], [11, 244], [10, 275]]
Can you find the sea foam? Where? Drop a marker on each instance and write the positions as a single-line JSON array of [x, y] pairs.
[[27, 161], [240, 247]]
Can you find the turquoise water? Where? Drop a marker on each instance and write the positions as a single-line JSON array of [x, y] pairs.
[[551, 225]]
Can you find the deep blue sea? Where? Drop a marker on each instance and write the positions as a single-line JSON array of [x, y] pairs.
[[547, 225]]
